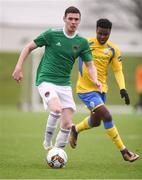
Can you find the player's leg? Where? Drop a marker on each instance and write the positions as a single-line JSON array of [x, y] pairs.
[[68, 108], [88, 123], [114, 135], [103, 113], [52, 102], [65, 126], [50, 129], [92, 100]]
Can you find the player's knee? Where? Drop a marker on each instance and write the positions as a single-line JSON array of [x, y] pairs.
[[95, 122], [57, 110], [55, 106], [107, 116], [102, 113], [66, 125]]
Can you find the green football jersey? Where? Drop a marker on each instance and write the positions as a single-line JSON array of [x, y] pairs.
[[59, 56]]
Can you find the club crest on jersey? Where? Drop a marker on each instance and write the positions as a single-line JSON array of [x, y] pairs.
[[75, 48], [106, 51]]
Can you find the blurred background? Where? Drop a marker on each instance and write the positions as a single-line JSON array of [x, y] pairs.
[[22, 20]]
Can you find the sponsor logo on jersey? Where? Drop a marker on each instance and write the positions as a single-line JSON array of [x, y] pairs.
[[58, 44]]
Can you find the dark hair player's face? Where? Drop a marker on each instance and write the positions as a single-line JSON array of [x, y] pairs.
[[103, 34], [72, 21]]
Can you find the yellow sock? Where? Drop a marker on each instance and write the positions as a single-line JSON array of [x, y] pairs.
[[113, 133], [83, 125]]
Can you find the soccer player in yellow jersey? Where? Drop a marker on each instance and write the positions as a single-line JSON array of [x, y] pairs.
[[104, 53]]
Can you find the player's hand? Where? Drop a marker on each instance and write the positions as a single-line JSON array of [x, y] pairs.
[[125, 95], [99, 85], [17, 74]]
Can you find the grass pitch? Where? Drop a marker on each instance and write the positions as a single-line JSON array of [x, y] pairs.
[[96, 157]]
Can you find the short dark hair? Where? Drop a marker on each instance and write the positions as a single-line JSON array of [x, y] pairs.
[[72, 9], [104, 23]]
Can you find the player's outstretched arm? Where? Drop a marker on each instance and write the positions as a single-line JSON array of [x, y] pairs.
[[93, 73], [121, 83], [17, 73]]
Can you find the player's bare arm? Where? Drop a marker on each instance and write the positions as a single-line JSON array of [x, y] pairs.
[[17, 73], [93, 73]]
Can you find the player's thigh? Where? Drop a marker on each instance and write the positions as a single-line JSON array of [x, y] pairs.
[[66, 98], [54, 105], [50, 97]]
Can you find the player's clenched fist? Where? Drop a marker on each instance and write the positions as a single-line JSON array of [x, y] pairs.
[[17, 74], [99, 85]]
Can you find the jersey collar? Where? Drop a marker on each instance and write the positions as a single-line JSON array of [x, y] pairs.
[[70, 37], [100, 44]]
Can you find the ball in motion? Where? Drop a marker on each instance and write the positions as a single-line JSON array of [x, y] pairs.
[[57, 158]]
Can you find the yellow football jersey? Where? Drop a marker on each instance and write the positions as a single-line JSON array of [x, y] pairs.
[[103, 55]]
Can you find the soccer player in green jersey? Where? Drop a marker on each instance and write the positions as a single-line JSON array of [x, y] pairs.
[[62, 47]]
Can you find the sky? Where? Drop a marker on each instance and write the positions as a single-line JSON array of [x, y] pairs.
[[33, 12], [49, 13]]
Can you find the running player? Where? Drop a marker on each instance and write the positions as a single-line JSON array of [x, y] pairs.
[[62, 47], [104, 53]]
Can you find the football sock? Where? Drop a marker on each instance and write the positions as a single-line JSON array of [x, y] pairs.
[[84, 125], [51, 127], [62, 138], [114, 135]]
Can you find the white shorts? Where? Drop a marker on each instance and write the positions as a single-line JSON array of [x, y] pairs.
[[64, 93]]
